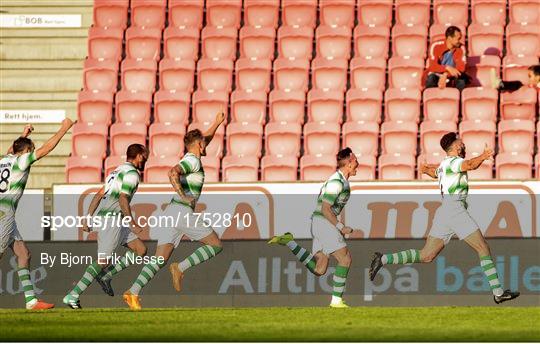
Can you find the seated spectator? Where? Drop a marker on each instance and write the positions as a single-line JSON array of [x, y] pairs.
[[514, 85], [446, 64]]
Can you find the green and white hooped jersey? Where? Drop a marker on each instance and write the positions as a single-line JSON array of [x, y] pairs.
[[452, 181], [123, 180], [335, 191], [14, 171], [191, 179]]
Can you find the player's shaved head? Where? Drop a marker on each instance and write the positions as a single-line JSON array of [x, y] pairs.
[[447, 140], [135, 149], [343, 156], [21, 144]]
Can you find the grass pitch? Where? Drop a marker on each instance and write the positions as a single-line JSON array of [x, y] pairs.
[[275, 324]]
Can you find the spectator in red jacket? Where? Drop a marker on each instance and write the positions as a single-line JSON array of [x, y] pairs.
[[446, 64], [514, 85]]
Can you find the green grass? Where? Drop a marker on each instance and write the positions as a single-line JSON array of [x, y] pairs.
[[275, 324]]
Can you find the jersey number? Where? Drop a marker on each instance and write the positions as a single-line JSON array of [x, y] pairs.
[[4, 180]]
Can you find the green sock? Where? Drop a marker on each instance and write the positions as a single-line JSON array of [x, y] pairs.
[[147, 273], [303, 255], [340, 278], [403, 257], [124, 262], [491, 273], [200, 255], [88, 277], [26, 282]]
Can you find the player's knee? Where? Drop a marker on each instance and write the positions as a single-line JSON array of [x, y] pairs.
[[346, 259], [142, 251], [319, 270], [24, 255]]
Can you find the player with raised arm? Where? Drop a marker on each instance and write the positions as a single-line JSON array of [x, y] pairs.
[[452, 218], [187, 179], [14, 171], [327, 230], [113, 200]]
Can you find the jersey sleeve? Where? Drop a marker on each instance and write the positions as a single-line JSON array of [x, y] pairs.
[[26, 160], [455, 165], [130, 182], [190, 164], [332, 190]]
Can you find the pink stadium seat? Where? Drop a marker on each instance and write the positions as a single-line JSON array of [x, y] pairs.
[[283, 139], [240, 169], [451, 12], [511, 166], [479, 69], [476, 134], [148, 13], [325, 106], [396, 167], [100, 76], [181, 44], [375, 13], [94, 107], [223, 13], [485, 40], [366, 168], [515, 67], [279, 168], [157, 169], [399, 137], [295, 43], [171, 107], [432, 159], [248, 107], [219, 43], [405, 73], [402, 105], [177, 75], [186, 13], [105, 44], [520, 104], [333, 42], [409, 41], [205, 105], [166, 139], [317, 168], [133, 107], [287, 107], [479, 104], [337, 13], [321, 139], [437, 32], [139, 76], [211, 166], [261, 13], [523, 40], [299, 13], [89, 140], [214, 75], [257, 43], [125, 134], [362, 138], [112, 162], [441, 104], [253, 75], [431, 133], [329, 75], [516, 136], [488, 12], [143, 44], [368, 74], [525, 12], [364, 106], [484, 172], [83, 169], [111, 14], [215, 148], [371, 42], [412, 12], [292, 75]]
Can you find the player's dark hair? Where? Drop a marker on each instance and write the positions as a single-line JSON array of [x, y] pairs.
[[451, 31], [535, 69], [343, 154], [447, 140], [192, 136], [135, 149], [21, 144]]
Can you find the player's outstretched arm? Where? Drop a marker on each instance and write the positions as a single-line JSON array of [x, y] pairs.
[[474, 163], [209, 134], [28, 129], [429, 169], [93, 206], [55, 139]]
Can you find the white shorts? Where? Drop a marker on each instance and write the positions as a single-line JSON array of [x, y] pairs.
[[111, 237], [453, 218], [8, 231], [326, 238], [185, 223]]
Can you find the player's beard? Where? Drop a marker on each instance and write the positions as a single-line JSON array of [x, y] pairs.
[[462, 153]]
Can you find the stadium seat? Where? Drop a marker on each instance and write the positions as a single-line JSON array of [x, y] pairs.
[[516, 136], [89, 140], [488, 12], [143, 44], [211, 166], [362, 138], [396, 167], [484, 172], [100, 76], [133, 107], [441, 104], [402, 105], [111, 14], [337, 13], [524, 12], [516, 67], [451, 12], [261, 13], [283, 139], [223, 13], [291, 75], [105, 44], [412, 12], [479, 104], [371, 42], [325, 106], [215, 148], [181, 44], [431, 159], [125, 134], [405, 73], [520, 104], [479, 69], [176, 75], [148, 13], [523, 40], [431, 133], [112, 162], [253, 75], [299, 13], [366, 168], [257, 43], [166, 139], [364, 105], [321, 139], [157, 169], [248, 107], [83, 169], [409, 41], [219, 44], [171, 107], [295, 43], [437, 33], [205, 105], [240, 169], [510, 166], [333, 42], [186, 13], [375, 13], [279, 168], [287, 107], [368, 74], [244, 139], [139, 76], [329, 75], [94, 107], [485, 40], [317, 168], [476, 134], [214, 75], [399, 137]]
